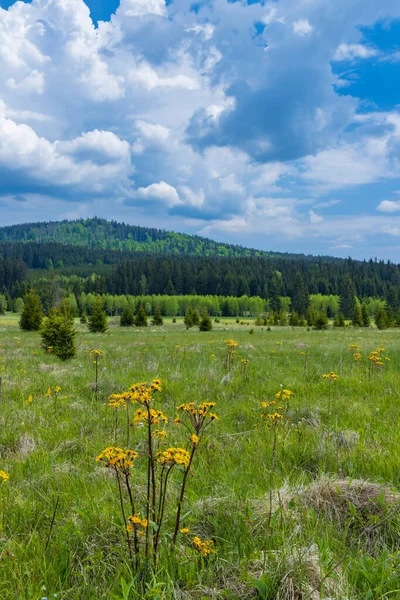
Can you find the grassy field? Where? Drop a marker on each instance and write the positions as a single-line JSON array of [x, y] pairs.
[[315, 516]]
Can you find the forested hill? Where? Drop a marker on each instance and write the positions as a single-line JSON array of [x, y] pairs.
[[110, 235]]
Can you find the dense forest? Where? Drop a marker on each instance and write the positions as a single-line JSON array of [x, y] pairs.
[[96, 257], [110, 235]]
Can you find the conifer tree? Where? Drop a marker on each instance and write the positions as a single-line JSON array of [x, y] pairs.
[[97, 321], [32, 314], [195, 316], [365, 315], [205, 322], [127, 318], [357, 315], [321, 320], [300, 298], [157, 317], [58, 333], [141, 317], [188, 320], [347, 297], [380, 318]]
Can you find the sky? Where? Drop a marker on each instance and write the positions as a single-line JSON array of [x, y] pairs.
[[272, 124]]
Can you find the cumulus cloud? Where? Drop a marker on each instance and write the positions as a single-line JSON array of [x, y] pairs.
[[353, 51], [160, 191], [389, 206], [302, 27], [227, 116]]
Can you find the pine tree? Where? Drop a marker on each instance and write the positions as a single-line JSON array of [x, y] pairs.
[[390, 317], [294, 319], [141, 317], [365, 315], [300, 300], [83, 318], [97, 321], [275, 288], [195, 316], [321, 320], [127, 318], [347, 297], [157, 318], [58, 333], [205, 323], [188, 320], [357, 315], [32, 314], [311, 316], [380, 318]]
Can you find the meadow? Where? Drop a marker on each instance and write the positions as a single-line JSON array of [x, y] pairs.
[[297, 507]]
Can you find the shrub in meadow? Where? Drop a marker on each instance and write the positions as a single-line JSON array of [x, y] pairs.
[[157, 317], [32, 313], [127, 318], [141, 317], [58, 333], [205, 322], [97, 321]]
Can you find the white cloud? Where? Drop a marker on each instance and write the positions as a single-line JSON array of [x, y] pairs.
[[141, 8], [302, 27], [314, 217], [160, 191], [389, 206], [353, 51]]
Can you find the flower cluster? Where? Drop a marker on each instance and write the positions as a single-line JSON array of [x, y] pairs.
[[4, 476], [330, 376], [135, 522], [174, 456], [284, 395], [142, 393], [118, 458], [205, 547], [273, 414], [149, 415], [96, 354], [197, 414]]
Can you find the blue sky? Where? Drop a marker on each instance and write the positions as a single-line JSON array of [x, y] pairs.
[[272, 124]]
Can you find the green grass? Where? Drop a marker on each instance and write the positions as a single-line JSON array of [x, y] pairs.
[[49, 448]]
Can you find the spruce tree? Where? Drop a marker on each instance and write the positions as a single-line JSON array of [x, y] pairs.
[[294, 319], [32, 314], [127, 318], [365, 315], [205, 322], [157, 317], [97, 321], [188, 320], [321, 320], [347, 297], [380, 318], [141, 317], [357, 315], [58, 333], [195, 316], [300, 298]]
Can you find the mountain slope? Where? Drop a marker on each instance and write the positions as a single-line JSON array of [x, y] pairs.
[[110, 235]]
